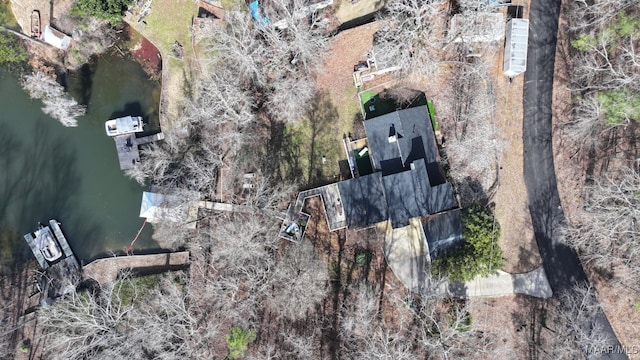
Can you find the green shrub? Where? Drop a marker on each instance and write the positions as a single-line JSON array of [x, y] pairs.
[[238, 340], [11, 50], [480, 254], [363, 257], [619, 106], [110, 10]]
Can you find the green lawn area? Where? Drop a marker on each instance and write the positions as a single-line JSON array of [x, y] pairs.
[[376, 104], [296, 151], [170, 21], [366, 96]]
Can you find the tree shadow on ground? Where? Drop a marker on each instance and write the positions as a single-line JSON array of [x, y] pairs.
[[321, 139], [301, 153], [528, 320]]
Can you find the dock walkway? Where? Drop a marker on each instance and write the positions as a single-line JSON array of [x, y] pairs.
[[107, 270], [127, 147]]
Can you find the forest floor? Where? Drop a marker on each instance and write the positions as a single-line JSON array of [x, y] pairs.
[[575, 167]]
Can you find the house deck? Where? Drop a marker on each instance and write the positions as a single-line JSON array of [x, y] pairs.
[[330, 196]]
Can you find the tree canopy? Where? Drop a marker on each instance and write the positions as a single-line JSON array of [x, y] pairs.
[[110, 10], [11, 51], [480, 254]]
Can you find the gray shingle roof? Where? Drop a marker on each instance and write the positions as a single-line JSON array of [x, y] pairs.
[[414, 134], [443, 232], [408, 182], [363, 200], [409, 194]]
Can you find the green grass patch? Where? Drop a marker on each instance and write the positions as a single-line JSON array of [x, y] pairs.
[[432, 115], [132, 291], [234, 5], [365, 96], [302, 146], [168, 22], [378, 106], [6, 15]]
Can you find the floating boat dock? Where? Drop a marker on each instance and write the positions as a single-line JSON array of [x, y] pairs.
[[37, 241], [127, 147]]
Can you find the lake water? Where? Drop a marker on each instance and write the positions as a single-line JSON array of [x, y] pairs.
[[72, 174]]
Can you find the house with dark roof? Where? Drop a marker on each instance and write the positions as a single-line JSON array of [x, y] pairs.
[[407, 181], [396, 178]]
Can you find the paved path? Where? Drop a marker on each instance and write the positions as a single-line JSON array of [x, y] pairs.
[[560, 262], [533, 283], [407, 254]]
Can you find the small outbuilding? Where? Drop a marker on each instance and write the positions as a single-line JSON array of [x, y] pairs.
[[515, 49], [55, 38], [158, 207]]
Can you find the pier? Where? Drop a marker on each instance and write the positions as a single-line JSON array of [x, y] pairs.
[[127, 147], [108, 270]]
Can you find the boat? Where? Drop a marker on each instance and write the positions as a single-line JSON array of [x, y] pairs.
[[35, 24], [124, 125], [47, 245]]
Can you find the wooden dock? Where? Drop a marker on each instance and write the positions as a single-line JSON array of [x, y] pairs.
[[127, 147], [107, 270]]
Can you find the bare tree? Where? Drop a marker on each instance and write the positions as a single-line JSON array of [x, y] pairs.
[[270, 62], [411, 36], [91, 37], [606, 232], [298, 283], [473, 145], [109, 322], [366, 335], [57, 103], [571, 328]]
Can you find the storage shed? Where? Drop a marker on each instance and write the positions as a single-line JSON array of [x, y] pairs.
[[55, 38], [515, 49]]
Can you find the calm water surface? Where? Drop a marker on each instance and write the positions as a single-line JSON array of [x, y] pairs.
[[72, 174]]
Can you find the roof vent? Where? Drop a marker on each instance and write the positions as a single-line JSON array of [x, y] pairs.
[[392, 134]]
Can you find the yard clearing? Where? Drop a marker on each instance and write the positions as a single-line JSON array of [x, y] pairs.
[[352, 9], [336, 76], [168, 22], [512, 203]]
